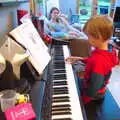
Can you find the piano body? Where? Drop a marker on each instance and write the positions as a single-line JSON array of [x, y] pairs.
[[54, 93]]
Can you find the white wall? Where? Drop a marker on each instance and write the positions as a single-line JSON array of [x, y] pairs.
[[117, 2], [52, 3], [66, 5]]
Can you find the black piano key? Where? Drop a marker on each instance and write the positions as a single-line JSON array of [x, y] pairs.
[[59, 92], [60, 88], [57, 107], [62, 109], [59, 63], [60, 100], [59, 67], [59, 58], [59, 42], [58, 48], [58, 53], [62, 113], [61, 106], [59, 77], [60, 83], [60, 71]]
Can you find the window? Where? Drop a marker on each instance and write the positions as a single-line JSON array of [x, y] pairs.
[[85, 11], [104, 6]]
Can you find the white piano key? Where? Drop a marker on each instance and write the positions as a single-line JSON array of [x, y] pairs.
[[60, 103], [76, 112], [61, 117], [61, 95], [73, 94]]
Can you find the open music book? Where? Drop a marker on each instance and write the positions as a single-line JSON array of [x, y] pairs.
[[27, 35]]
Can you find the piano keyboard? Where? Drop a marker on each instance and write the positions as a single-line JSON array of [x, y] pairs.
[[65, 100]]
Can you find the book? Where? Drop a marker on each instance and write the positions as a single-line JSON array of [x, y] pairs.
[[27, 35]]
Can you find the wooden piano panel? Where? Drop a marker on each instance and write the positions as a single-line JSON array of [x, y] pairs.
[[80, 47]]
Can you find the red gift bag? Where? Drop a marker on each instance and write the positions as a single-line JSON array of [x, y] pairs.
[[22, 111]]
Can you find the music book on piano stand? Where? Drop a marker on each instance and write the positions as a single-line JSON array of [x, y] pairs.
[[27, 35]]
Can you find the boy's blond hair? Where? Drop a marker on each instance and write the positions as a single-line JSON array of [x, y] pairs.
[[99, 26]]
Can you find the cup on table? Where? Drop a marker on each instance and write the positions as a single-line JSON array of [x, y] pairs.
[[8, 99]]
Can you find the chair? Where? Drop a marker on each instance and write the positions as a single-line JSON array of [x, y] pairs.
[[75, 19]]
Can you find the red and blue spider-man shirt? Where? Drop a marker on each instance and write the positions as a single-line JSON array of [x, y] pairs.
[[97, 73]]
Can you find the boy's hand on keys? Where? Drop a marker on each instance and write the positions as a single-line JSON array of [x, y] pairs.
[[73, 59]]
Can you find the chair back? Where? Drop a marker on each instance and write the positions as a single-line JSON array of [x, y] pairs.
[[75, 19]]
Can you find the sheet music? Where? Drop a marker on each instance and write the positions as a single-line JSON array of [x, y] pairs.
[[27, 35]]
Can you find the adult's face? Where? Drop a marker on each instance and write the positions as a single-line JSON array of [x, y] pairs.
[[54, 14]]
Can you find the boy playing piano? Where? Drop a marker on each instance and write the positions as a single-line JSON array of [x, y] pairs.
[[99, 30]]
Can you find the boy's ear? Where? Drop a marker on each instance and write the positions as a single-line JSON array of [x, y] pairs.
[[101, 38], [2, 64]]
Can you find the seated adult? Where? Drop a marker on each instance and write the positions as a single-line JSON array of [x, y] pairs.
[[58, 26]]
